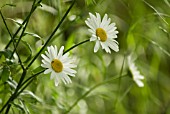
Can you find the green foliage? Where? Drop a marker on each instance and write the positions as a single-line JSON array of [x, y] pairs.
[[102, 83], [5, 73]]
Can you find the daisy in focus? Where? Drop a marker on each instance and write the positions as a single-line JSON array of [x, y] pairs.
[[59, 65], [137, 77], [103, 32]]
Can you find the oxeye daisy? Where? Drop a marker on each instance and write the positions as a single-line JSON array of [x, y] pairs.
[[103, 32], [59, 65], [137, 77]]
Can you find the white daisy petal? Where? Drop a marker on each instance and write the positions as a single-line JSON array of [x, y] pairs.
[[92, 31], [105, 46], [45, 58], [62, 78], [45, 65], [53, 52], [137, 77], [93, 20], [106, 23], [56, 81], [89, 24], [113, 46], [50, 54], [59, 65], [102, 30], [70, 70], [93, 38], [104, 20], [98, 19], [96, 47], [70, 65], [47, 71], [139, 83], [53, 74], [60, 52], [67, 79], [45, 62]]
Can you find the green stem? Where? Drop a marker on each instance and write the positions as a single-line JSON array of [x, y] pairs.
[[12, 40], [76, 46], [29, 80], [31, 77], [31, 12], [51, 36], [7, 110], [27, 18], [119, 82], [13, 96], [90, 90]]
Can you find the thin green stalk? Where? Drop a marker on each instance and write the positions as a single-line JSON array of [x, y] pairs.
[[29, 80], [23, 31], [76, 46], [16, 93], [51, 36], [12, 40], [119, 82], [31, 77], [27, 18], [13, 96], [90, 90], [5, 23], [7, 110]]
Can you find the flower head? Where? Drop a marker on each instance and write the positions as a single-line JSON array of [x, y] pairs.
[[103, 32], [137, 77], [59, 65]]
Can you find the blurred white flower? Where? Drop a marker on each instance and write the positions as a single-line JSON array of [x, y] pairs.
[[137, 77], [103, 32], [59, 65]]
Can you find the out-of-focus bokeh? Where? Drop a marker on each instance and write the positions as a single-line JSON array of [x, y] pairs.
[[144, 30]]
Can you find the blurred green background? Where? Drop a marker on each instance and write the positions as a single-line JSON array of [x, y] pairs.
[[144, 29]]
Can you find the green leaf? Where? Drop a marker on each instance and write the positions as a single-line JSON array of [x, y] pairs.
[[28, 53], [70, 41], [12, 83], [6, 53], [26, 92], [2, 59], [5, 73], [18, 106], [17, 21], [90, 2], [32, 34], [26, 110], [38, 69]]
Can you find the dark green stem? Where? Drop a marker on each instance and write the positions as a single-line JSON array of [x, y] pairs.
[[12, 40], [29, 80], [13, 96], [7, 110], [76, 46], [31, 77], [51, 36], [27, 18], [31, 12]]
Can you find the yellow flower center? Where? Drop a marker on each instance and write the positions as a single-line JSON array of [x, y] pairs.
[[101, 33], [57, 65]]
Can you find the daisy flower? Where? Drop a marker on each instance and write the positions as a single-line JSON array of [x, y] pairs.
[[137, 77], [59, 65], [103, 32]]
